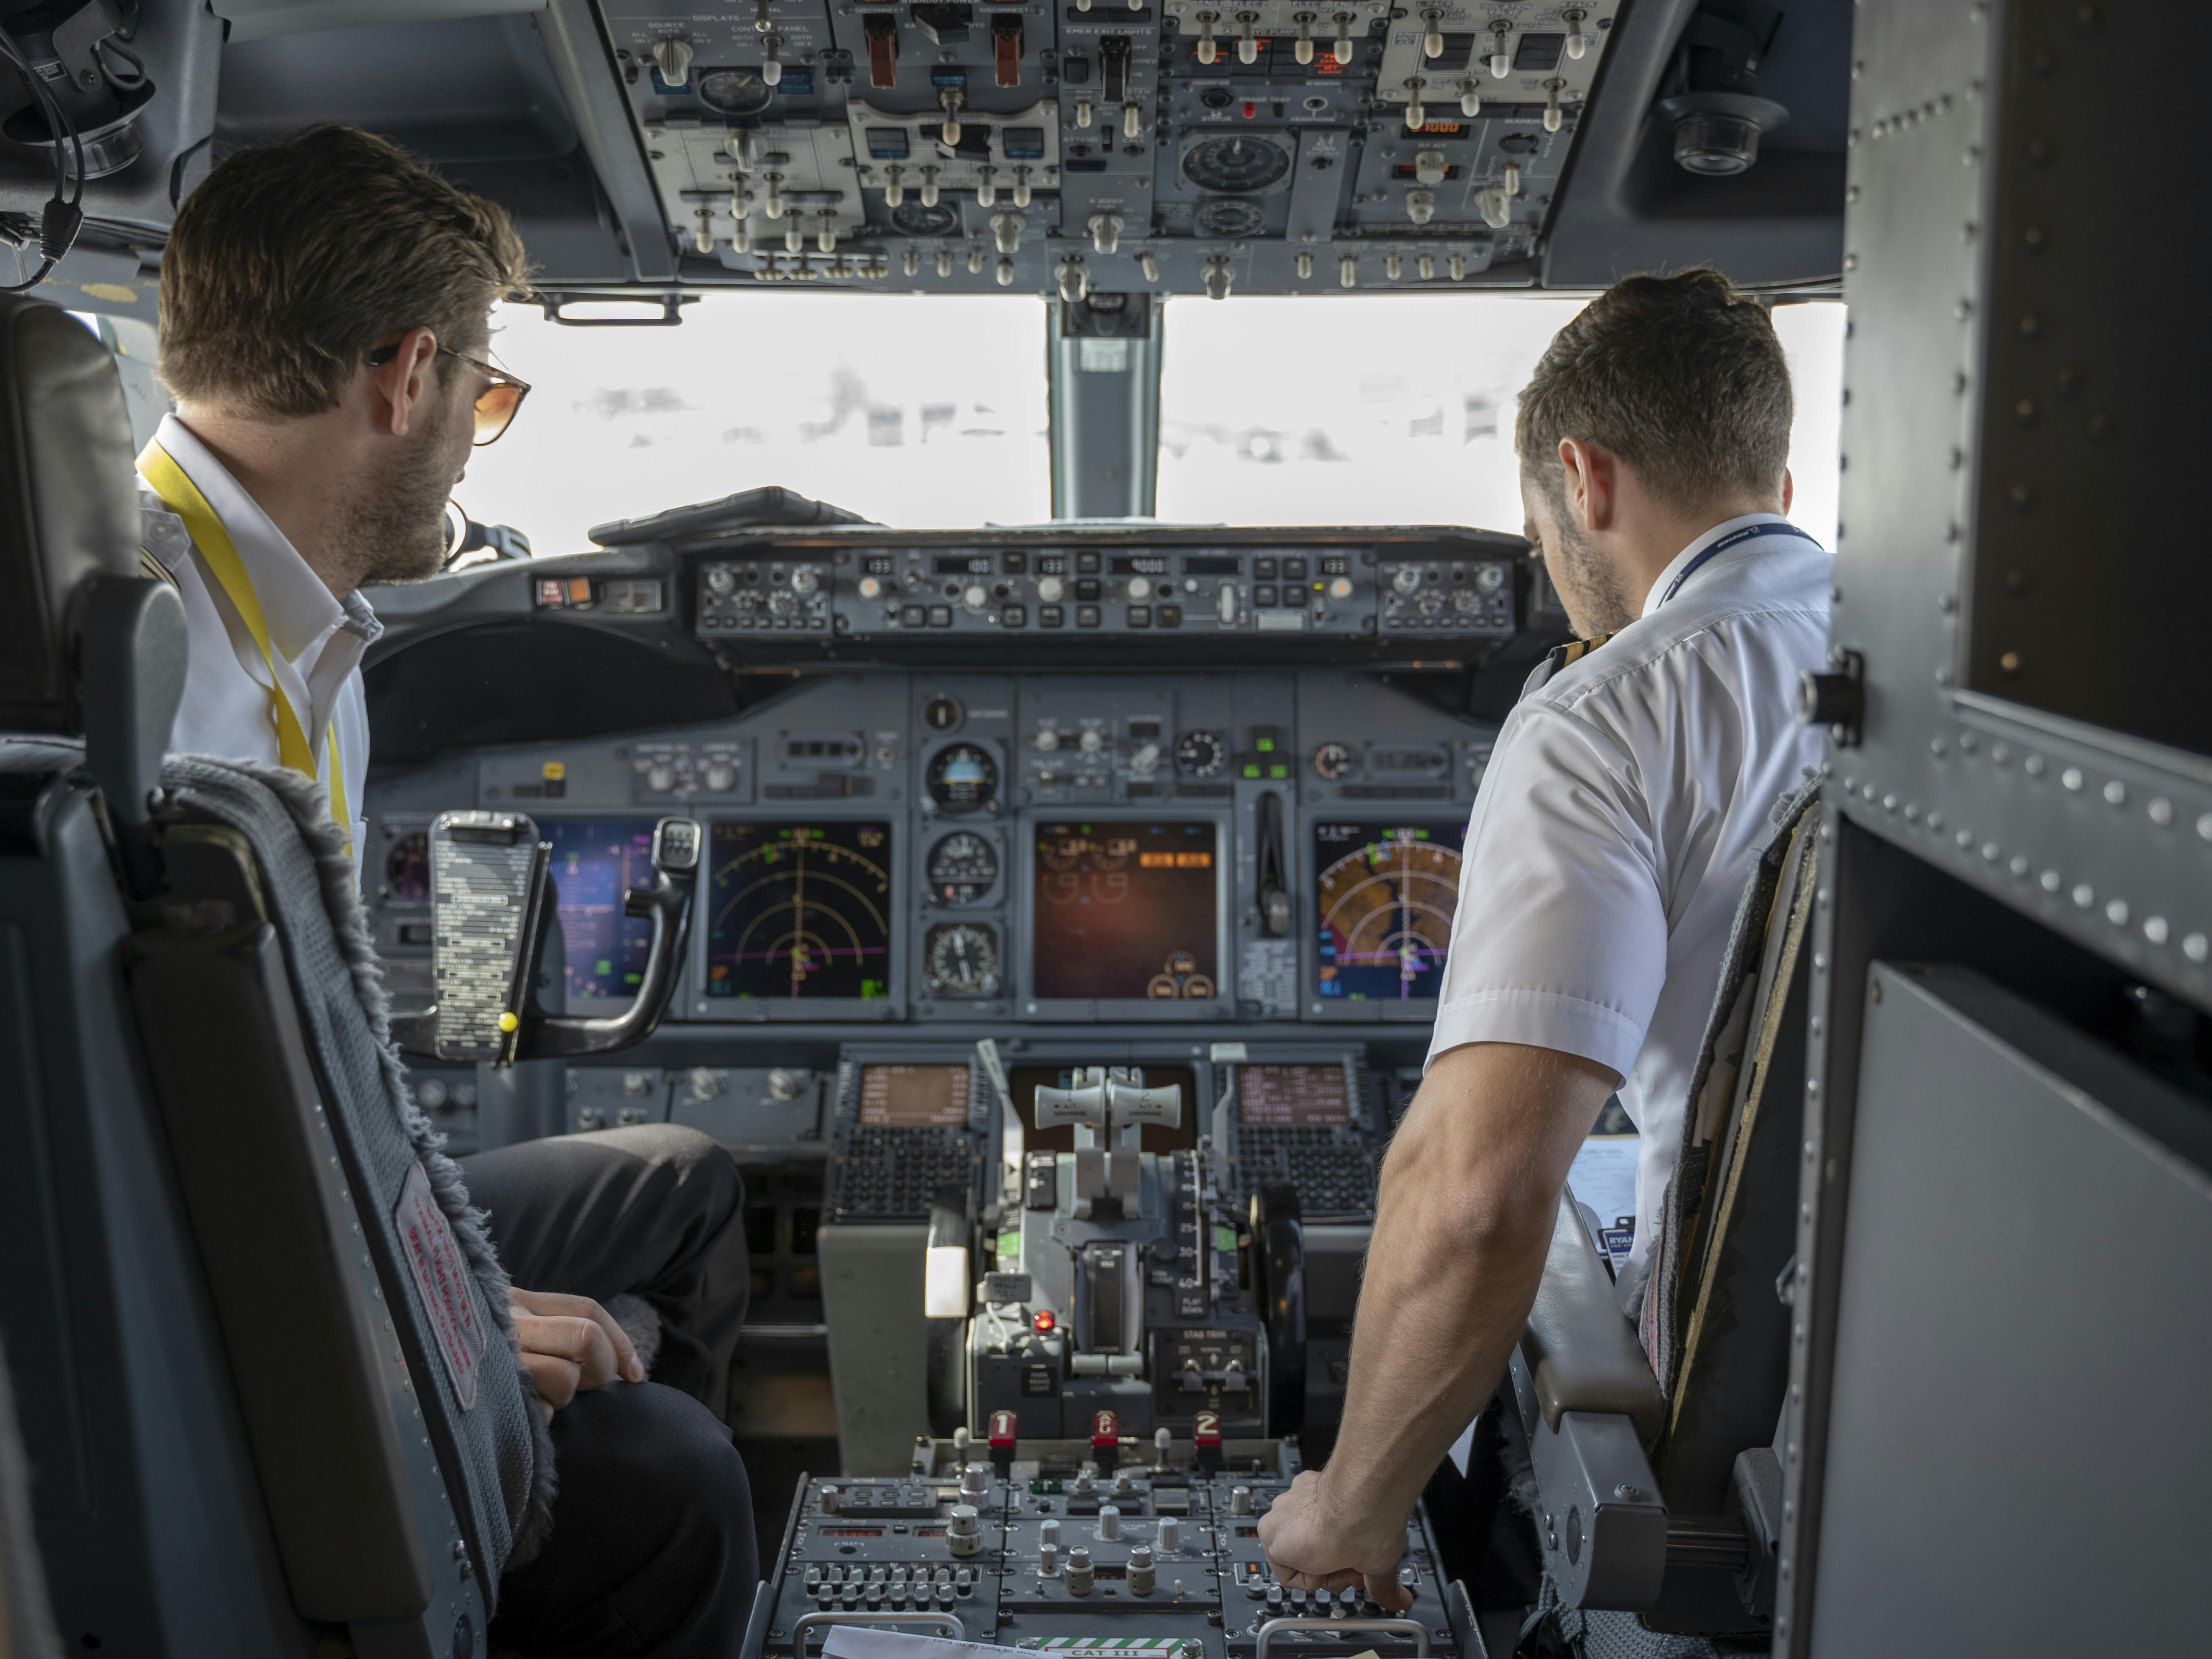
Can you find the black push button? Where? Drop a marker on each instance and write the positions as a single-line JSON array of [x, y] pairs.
[[1014, 615], [912, 616], [1050, 615], [941, 616], [1086, 616], [1140, 616]]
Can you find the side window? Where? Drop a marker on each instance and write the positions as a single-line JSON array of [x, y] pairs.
[[133, 344]]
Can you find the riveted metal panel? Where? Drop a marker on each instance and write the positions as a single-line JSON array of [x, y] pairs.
[[2018, 565]]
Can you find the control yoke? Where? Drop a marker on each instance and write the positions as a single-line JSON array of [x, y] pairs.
[[492, 906], [1102, 1102]]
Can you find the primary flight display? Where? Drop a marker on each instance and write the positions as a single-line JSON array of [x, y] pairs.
[[1384, 896]]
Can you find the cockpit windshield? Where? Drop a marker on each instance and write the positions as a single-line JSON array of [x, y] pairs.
[[1371, 409]]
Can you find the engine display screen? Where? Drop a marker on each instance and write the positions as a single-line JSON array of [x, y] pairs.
[[1127, 911], [799, 910], [1022, 1081], [914, 1096], [1385, 895], [595, 863], [1291, 1096]]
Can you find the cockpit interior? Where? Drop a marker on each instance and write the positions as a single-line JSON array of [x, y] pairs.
[[967, 685]]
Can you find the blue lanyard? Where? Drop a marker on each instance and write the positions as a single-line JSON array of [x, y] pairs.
[[1750, 532]]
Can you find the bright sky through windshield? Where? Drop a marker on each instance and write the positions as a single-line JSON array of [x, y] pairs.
[[1381, 408], [913, 412], [1398, 409]]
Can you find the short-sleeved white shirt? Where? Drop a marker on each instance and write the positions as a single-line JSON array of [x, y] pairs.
[[1626, 803]]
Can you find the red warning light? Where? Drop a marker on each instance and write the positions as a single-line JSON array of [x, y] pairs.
[[1043, 1320], [1251, 110]]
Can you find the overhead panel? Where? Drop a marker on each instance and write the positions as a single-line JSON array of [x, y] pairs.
[[1183, 147]]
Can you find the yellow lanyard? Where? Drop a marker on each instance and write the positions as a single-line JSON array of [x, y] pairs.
[[182, 497]]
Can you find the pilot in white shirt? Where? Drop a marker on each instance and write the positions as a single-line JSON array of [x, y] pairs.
[[1626, 803], [1626, 798], [231, 707]]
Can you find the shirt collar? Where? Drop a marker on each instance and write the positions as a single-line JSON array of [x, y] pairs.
[[1651, 600], [295, 603]]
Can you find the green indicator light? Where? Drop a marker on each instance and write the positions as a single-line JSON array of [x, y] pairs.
[[1224, 1238], [1251, 771], [1278, 770], [1266, 746]]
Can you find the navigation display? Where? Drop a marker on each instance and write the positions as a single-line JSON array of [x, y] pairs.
[[595, 862], [1385, 895], [798, 910], [1127, 909], [914, 1096], [1291, 1096]]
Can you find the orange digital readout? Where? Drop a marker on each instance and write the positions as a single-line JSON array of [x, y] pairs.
[[1174, 861]]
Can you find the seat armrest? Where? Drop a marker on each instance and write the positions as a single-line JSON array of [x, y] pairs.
[[1581, 1348]]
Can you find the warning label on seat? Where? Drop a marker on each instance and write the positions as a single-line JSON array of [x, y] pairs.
[[442, 1276]]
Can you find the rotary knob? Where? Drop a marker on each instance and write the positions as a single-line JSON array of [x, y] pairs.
[[1090, 742], [1140, 588], [431, 1093], [804, 580], [1405, 579], [1489, 578], [722, 777], [660, 777], [1143, 757], [721, 579], [1050, 588], [706, 1083], [975, 596], [782, 602], [785, 1084], [1047, 739]]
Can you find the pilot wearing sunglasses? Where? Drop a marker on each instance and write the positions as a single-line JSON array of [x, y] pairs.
[[324, 332]]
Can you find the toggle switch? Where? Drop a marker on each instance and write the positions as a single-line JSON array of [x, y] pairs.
[[1148, 263], [1083, 112], [794, 236], [1219, 276], [1417, 116], [1512, 178], [1007, 229], [1393, 267], [928, 191], [1470, 98], [1501, 61], [894, 187], [772, 203], [975, 261], [1206, 50], [1304, 47], [1074, 281], [1132, 121], [1553, 116], [1347, 270], [1577, 42], [950, 99], [986, 186], [1247, 43], [944, 262], [1344, 47], [826, 237], [1432, 38], [1006, 273], [1456, 264], [1021, 187], [1425, 266], [771, 60], [1105, 232], [761, 21]]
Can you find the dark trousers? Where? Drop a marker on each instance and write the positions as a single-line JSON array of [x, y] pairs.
[[652, 1550]]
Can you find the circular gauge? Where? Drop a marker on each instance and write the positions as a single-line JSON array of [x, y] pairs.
[[1198, 988], [962, 778], [914, 219], [735, 91], [1232, 216], [1201, 754], [941, 713], [960, 959], [1235, 163], [1061, 852], [407, 868], [1332, 760], [962, 868]]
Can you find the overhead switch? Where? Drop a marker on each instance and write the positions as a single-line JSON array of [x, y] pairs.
[[1105, 232], [1247, 43], [1304, 48], [673, 59], [1344, 47], [882, 28], [771, 60]]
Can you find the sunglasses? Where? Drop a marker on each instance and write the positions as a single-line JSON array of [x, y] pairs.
[[496, 406]]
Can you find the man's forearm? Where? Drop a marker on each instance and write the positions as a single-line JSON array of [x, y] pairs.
[[1469, 1193]]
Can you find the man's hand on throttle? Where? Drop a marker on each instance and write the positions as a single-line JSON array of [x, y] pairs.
[[1312, 1544], [570, 1344]]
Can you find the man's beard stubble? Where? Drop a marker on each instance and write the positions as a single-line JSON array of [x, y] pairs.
[[1592, 588], [394, 529]]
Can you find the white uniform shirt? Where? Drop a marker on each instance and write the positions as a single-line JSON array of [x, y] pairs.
[[1625, 802], [316, 639]]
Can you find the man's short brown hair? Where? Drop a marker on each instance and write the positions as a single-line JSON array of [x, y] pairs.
[[293, 261], [1679, 376]]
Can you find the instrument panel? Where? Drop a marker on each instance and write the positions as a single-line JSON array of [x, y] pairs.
[[911, 848]]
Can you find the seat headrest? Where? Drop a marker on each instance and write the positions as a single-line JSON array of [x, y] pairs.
[[69, 506]]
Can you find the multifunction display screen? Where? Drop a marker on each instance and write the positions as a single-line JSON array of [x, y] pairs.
[[799, 910], [914, 1096], [595, 863], [1127, 909], [1385, 895], [1291, 1096]]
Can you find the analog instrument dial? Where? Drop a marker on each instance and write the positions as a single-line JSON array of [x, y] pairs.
[[1332, 760], [963, 778], [1201, 754], [1234, 163], [735, 91], [962, 868], [961, 959]]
